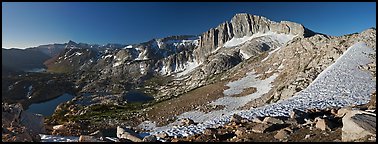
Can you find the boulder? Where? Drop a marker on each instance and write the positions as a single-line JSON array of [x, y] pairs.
[[21, 126], [34, 122], [86, 138], [358, 125], [282, 134], [240, 131], [150, 138], [187, 121], [296, 113], [23, 137], [59, 127], [272, 120], [260, 128], [341, 112], [236, 118], [256, 120], [210, 131], [322, 124], [129, 134], [97, 134], [162, 135]]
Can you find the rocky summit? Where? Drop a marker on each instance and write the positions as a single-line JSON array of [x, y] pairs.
[[249, 79]]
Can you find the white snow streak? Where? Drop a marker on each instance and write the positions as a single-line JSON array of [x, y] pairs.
[[190, 66], [282, 38], [52, 138]]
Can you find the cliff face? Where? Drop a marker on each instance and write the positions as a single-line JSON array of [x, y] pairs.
[[244, 25]]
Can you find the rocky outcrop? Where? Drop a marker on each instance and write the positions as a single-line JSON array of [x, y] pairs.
[[358, 126], [20, 126], [125, 133]]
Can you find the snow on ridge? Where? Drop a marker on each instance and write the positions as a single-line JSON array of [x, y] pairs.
[[129, 46], [190, 66], [281, 38], [268, 37], [270, 53], [104, 57], [29, 91]]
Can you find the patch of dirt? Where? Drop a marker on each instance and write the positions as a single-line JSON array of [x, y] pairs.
[[163, 113]]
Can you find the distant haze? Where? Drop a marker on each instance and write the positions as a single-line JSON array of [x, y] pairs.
[[32, 24]]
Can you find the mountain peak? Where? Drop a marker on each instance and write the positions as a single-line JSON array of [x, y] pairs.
[[70, 42]]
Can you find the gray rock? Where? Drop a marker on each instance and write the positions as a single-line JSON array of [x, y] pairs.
[[358, 125], [24, 126], [150, 138], [187, 121], [34, 122], [272, 120], [129, 134], [162, 135], [240, 131], [260, 128], [322, 124], [236, 118], [86, 138], [282, 134], [210, 131]]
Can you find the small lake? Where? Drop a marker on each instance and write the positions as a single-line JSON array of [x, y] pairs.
[[47, 108], [136, 96]]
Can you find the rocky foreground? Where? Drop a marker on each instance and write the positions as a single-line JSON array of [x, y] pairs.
[[354, 123]]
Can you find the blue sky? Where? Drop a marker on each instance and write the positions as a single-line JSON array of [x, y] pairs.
[[33, 24]]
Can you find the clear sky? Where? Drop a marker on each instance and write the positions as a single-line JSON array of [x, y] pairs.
[[33, 24]]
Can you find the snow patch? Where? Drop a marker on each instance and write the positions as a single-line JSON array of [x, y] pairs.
[[104, 57], [189, 67], [270, 53], [244, 55], [29, 91], [129, 46], [117, 64], [282, 38], [78, 53], [53, 138]]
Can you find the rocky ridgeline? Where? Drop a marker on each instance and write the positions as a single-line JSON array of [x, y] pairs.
[[244, 25]]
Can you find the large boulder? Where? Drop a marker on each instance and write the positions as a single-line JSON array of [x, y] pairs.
[[35, 122], [86, 138], [20, 126], [272, 120], [358, 126], [125, 133], [322, 124]]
